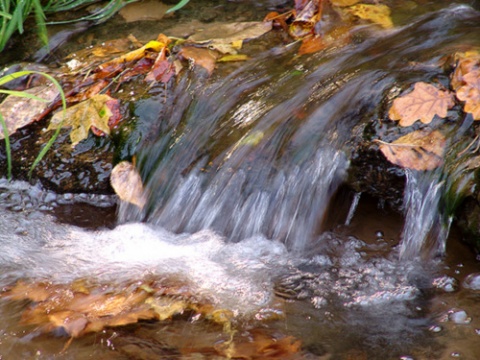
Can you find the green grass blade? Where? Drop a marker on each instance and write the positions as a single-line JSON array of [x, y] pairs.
[[40, 20], [180, 5], [22, 94], [7, 148]]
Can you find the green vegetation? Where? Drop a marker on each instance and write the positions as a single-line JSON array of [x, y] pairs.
[[42, 153]]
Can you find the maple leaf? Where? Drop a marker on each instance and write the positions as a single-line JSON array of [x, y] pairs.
[[81, 117], [418, 150], [378, 14], [470, 93], [423, 103]]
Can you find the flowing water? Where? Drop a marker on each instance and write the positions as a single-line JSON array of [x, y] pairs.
[[246, 205]]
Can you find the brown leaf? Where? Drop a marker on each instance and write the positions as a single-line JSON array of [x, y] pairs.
[[470, 93], [127, 183], [202, 57], [338, 37], [418, 150], [423, 103], [306, 20], [162, 70], [144, 10], [20, 111]]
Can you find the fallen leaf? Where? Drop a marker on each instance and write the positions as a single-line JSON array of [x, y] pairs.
[[466, 62], [423, 103], [81, 117], [144, 10], [418, 150], [127, 183], [337, 37], [470, 93], [21, 111], [225, 37], [230, 58], [304, 23], [162, 70], [198, 56], [378, 14]]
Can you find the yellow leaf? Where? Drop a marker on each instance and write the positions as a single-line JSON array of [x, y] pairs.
[[418, 150], [81, 117], [378, 14], [343, 3], [229, 58], [423, 103]]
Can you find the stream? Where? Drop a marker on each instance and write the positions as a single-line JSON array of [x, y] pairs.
[[248, 207]]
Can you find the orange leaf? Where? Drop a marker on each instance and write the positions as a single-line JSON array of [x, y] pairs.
[[201, 57], [423, 103], [418, 150], [467, 62], [470, 93]]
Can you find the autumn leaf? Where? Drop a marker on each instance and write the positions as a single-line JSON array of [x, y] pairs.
[[466, 63], [198, 56], [470, 93], [127, 183], [418, 150], [21, 110], [81, 117], [228, 37], [144, 10], [423, 103], [306, 20], [378, 14], [338, 37]]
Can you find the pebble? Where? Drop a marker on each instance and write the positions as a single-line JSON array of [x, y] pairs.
[[472, 282], [459, 317]]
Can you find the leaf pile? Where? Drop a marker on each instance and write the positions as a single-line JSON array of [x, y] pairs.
[[80, 307], [423, 150]]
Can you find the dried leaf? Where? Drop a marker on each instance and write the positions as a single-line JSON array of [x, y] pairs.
[[225, 37], [230, 58], [162, 70], [21, 111], [470, 93], [418, 150], [202, 57], [81, 117], [423, 103], [466, 63], [306, 20], [127, 183], [378, 14], [144, 10]]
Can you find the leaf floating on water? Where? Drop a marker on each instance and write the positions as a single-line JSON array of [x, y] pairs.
[[306, 20], [418, 150], [94, 112], [470, 93], [378, 14], [202, 57], [127, 183], [228, 37], [423, 103], [466, 62], [145, 10], [23, 109]]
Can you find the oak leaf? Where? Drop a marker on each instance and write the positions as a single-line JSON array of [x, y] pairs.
[[423, 103], [378, 14], [418, 150], [470, 93], [466, 62], [81, 117]]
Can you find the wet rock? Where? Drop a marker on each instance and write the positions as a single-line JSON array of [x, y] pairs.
[[472, 282]]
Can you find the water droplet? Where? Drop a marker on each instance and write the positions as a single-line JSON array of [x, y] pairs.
[[472, 282], [455, 354], [406, 358], [379, 234], [477, 331]]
